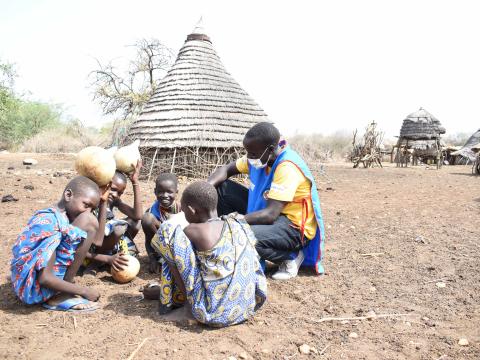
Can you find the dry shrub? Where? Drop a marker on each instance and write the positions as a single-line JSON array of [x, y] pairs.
[[322, 148], [64, 139]]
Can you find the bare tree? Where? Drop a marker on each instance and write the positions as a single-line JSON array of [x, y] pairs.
[[125, 92]]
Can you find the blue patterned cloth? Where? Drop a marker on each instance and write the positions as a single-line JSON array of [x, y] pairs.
[[48, 231], [225, 285]]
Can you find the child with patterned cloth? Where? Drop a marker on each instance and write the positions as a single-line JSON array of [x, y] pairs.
[[166, 191], [212, 263], [119, 233], [50, 249]]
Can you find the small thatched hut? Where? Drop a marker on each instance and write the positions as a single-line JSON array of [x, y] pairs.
[[467, 153], [198, 115], [420, 135]]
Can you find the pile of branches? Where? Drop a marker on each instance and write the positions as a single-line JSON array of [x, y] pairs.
[[367, 151]]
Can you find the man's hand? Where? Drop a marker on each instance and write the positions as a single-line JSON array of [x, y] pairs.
[[119, 262], [91, 294], [136, 174]]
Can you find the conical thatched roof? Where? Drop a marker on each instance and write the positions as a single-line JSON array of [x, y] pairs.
[[466, 150], [421, 125], [198, 103]]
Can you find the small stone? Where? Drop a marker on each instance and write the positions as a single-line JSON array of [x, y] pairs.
[[243, 355], [344, 322], [231, 358], [408, 323], [463, 342], [28, 187], [371, 314], [441, 284], [314, 350], [352, 227], [329, 226], [304, 349], [420, 239], [356, 217], [10, 168], [353, 335], [50, 182], [338, 213], [30, 161], [329, 188], [373, 288], [8, 198], [39, 172]]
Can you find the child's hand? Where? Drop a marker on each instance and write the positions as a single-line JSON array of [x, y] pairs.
[[136, 174], [119, 262], [91, 294], [105, 190]]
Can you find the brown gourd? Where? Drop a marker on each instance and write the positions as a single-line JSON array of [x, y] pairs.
[[127, 157], [97, 164], [129, 273]]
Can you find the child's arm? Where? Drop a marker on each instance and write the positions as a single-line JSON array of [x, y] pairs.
[[48, 279], [118, 261], [136, 212]]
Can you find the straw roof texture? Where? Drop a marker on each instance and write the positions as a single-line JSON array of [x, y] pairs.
[[197, 104], [421, 125], [467, 150]]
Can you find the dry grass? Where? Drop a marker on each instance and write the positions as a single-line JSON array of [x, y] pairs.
[[319, 147], [64, 139]]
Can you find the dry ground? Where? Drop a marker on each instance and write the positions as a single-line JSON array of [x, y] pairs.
[[421, 223]]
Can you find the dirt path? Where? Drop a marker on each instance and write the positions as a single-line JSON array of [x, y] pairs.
[[420, 227]]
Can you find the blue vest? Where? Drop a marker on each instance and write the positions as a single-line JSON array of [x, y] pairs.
[[260, 183]]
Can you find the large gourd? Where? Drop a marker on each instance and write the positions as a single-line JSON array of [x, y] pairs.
[[97, 164], [129, 273], [127, 157]]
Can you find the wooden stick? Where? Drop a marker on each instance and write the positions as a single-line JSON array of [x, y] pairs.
[[74, 323], [153, 163], [359, 317], [372, 254], [324, 349], [132, 355], [435, 280]]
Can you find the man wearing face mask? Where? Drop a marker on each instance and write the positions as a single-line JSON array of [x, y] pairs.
[[281, 205]]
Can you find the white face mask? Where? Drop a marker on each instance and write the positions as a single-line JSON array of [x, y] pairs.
[[257, 163]]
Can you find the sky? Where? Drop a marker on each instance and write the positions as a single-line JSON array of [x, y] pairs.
[[313, 66]]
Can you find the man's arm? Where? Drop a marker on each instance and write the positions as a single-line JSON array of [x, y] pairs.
[[268, 215], [223, 173]]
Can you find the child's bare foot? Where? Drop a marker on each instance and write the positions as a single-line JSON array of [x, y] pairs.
[[181, 315], [61, 298]]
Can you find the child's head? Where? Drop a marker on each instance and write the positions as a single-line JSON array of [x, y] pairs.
[[166, 189], [81, 194], [118, 186], [199, 201]]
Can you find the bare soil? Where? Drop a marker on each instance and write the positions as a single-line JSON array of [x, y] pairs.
[[393, 236]]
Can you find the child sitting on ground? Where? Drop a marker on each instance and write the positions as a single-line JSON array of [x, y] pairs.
[[119, 234], [212, 263], [166, 191], [50, 249]]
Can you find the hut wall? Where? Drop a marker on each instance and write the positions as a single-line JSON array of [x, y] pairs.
[[192, 162]]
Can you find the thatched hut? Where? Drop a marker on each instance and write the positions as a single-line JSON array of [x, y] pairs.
[[198, 115], [420, 136], [467, 153]]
